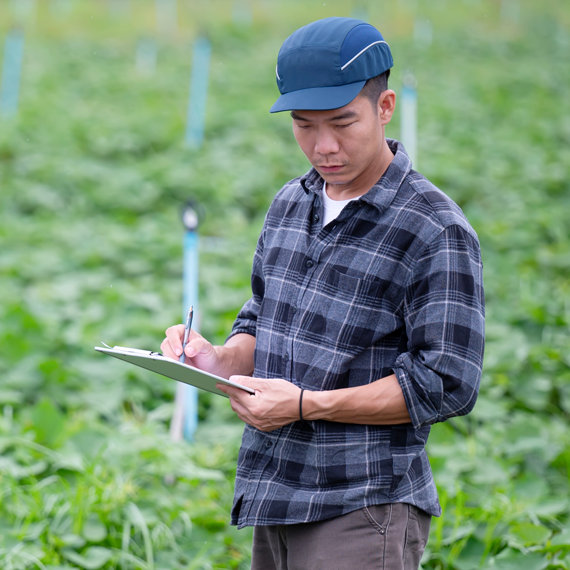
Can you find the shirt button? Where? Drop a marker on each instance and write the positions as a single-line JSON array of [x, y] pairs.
[[286, 357], [316, 218], [309, 263], [268, 444]]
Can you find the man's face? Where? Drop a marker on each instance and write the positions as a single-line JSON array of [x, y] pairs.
[[346, 146]]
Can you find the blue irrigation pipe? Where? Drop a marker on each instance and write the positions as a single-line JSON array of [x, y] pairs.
[[241, 13], [190, 298], [166, 15], [11, 73], [198, 93], [409, 117], [61, 7], [146, 55]]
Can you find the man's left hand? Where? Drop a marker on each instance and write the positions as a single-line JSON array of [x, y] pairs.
[[274, 404]]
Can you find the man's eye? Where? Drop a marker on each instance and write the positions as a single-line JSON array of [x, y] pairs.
[[344, 125]]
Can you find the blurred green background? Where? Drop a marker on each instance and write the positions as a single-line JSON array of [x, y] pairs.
[[94, 170]]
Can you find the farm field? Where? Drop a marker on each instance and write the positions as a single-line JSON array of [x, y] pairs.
[[94, 172]]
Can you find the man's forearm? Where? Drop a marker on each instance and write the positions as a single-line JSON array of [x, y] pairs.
[[236, 356], [379, 403]]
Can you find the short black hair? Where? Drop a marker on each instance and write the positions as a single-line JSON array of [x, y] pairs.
[[375, 86]]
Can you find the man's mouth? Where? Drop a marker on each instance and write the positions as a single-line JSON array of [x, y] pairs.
[[329, 167]]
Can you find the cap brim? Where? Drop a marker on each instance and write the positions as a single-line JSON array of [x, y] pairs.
[[318, 98]]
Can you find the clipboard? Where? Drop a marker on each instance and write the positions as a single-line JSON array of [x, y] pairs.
[[165, 366]]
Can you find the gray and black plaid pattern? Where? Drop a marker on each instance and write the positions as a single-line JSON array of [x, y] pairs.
[[393, 285]]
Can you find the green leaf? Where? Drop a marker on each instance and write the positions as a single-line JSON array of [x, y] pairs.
[[91, 558], [94, 530], [527, 534], [72, 540], [18, 471], [471, 555], [510, 559], [48, 423], [561, 539]]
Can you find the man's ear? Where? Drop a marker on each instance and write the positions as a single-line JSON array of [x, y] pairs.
[[386, 105]]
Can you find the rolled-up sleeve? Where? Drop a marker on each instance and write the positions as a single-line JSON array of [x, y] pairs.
[[444, 317]]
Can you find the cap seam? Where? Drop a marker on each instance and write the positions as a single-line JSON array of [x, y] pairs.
[[324, 87], [361, 52]]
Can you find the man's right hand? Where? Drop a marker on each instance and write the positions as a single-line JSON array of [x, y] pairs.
[[199, 352], [235, 357]]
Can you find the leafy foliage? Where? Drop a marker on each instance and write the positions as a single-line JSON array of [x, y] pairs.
[[93, 173]]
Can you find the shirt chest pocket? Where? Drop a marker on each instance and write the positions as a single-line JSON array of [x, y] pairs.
[[349, 309], [358, 293]]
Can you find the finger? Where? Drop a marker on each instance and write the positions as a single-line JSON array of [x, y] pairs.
[[235, 394], [165, 348], [247, 381], [197, 345], [224, 388], [173, 339], [238, 409]]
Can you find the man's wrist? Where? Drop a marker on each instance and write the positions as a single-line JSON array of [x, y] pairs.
[[315, 404], [236, 355]]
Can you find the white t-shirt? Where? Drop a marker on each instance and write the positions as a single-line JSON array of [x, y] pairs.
[[333, 207]]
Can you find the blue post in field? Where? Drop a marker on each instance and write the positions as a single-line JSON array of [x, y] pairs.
[[166, 15], [198, 93], [510, 11], [24, 9], [146, 56], [241, 13], [423, 33], [61, 8], [11, 73], [187, 396], [119, 7], [409, 117], [360, 13]]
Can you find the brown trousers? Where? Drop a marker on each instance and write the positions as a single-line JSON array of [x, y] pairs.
[[387, 537]]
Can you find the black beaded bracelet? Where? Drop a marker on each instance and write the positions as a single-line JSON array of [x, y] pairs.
[[301, 405]]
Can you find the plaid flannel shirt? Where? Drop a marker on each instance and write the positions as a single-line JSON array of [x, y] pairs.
[[393, 285]]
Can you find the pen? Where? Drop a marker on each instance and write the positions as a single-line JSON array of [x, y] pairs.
[[187, 328]]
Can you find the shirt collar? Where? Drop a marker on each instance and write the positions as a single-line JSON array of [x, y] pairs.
[[383, 192]]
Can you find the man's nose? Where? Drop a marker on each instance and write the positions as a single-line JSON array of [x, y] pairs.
[[326, 142]]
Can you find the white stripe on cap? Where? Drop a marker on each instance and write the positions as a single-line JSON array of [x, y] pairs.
[[277, 72], [361, 52]]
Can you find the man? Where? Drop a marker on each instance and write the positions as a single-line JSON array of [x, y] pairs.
[[365, 325]]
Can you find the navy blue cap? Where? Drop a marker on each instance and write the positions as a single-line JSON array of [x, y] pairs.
[[325, 64]]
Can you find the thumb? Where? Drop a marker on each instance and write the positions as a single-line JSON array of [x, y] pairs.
[[198, 347]]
